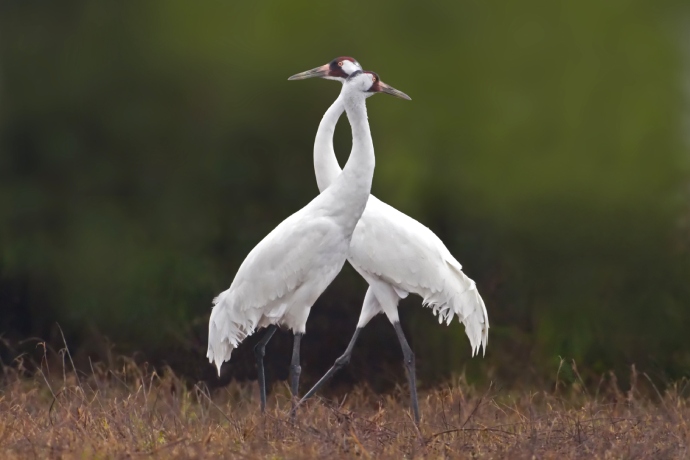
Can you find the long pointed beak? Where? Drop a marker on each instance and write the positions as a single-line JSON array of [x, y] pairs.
[[318, 72], [384, 88]]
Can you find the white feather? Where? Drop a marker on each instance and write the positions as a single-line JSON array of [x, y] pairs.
[[390, 247], [408, 256], [284, 274]]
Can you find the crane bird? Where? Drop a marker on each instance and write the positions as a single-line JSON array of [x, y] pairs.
[[395, 254], [285, 273]]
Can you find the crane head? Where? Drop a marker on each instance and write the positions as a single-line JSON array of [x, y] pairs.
[[373, 84], [338, 69]]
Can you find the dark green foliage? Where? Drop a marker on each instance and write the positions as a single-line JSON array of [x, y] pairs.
[[146, 148]]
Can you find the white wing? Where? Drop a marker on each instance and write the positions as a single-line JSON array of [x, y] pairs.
[[407, 255], [265, 284], [280, 262]]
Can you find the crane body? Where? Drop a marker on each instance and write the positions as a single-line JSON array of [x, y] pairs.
[[397, 255], [285, 273]]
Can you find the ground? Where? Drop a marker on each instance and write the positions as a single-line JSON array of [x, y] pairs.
[[133, 412]]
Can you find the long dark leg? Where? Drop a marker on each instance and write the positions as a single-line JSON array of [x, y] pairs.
[[408, 358], [295, 368], [259, 352], [339, 363]]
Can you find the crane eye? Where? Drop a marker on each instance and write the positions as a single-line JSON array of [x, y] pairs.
[[340, 63]]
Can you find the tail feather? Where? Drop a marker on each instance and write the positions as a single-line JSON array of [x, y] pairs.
[[225, 332], [459, 299]]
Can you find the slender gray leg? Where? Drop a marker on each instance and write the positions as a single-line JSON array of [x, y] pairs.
[[295, 368], [339, 363], [259, 352], [408, 358]]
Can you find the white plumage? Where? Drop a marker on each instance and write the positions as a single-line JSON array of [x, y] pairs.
[[397, 255], [396, 250], [282, 277], [285, 273]]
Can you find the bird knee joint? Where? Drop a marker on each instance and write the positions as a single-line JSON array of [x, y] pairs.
[[343, 360]]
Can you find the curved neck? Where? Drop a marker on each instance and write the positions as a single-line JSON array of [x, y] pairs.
[[325, 162], [347, 195], [361, 162]]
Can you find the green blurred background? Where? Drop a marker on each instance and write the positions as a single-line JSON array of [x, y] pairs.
[[146, 147]]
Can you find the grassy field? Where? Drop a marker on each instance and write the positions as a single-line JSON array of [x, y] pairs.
[[132, 412]]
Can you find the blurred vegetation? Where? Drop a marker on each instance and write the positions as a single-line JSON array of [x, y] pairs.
[[129, 411], [145, 148]]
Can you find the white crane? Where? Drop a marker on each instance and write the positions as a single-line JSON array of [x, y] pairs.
[[285, 273], [395, 254]]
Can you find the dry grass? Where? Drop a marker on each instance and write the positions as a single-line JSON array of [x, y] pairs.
[[131, 412]]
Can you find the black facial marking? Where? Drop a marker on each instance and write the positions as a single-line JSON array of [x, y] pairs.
[[336, 70], [354, 74], [375, 87]]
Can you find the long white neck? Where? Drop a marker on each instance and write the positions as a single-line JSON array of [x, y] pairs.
[[325, 162], [360, 164], [348, 192]]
